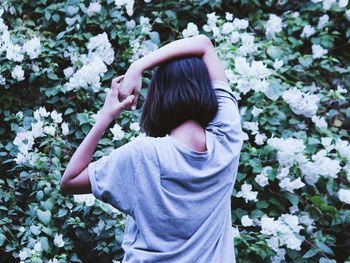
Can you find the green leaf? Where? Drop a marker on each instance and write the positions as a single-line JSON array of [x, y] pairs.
[[45, 244], [2, 239], [327, 260], [323, 247], [62, 212], [44, 216], [312, 252], [36, 230], [52, 76], [274, 52]]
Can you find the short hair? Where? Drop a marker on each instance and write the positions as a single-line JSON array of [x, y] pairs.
[[180, 90]]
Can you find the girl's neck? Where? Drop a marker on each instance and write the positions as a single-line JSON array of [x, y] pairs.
[[191, 134]]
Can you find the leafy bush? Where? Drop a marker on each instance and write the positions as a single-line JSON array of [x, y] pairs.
[[287, 62]]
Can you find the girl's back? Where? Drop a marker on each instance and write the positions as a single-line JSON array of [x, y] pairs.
[[177, 199]]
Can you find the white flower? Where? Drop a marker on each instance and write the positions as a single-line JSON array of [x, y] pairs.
[[18, 73], [262, 178], [24, 253], [54, 260], [191, 30], [323, 21], [273, 25], [94, 7], [58, 240], [65, 128], [19, 114], [289, 149], [344, 195], [273, 243], [307, 31], [256, 111], [227, 28], [14, 52], [278, 64], [228, 16], [56, 117], [2, 80], [129, 5], [289, 185], [135, 126], [343, 147], [38, 247], [327, 4], [89, 199], [43, 112], [235, 37], [321, 165], [37, 129], [130, 24], [343, 3], [346, 168], [248, 45], [50, 130], [260, 138], [320, 122], [251, 126], [100, 46], [284, 231], [283, 173], [235, 232], [68, 72], [35, 67], [32, 47], [301, 103], [246, 221], [117, 132], [318, 51], [347, 14], [247, 194], [327, 143], [87, 77], [212, 19], [279, 257], [240, 23]]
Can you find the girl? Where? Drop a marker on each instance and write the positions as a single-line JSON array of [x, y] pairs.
[[175, 185]]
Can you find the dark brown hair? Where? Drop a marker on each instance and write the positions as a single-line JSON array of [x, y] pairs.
[[180, 90]]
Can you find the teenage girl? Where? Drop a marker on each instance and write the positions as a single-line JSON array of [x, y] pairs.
[[175, 185]]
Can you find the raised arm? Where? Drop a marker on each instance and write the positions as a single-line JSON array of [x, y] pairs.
[[200, 46]]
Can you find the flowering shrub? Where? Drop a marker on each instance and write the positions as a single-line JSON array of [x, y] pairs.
[[287, 63]]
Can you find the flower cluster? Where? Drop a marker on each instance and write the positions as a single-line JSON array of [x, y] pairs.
[[301, 103], [16, 52], [284, 231], [100, 54], [44, 124], [128, 4], [139, 42]]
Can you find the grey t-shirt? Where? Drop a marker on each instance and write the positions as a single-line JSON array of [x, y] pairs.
[[178, 201]]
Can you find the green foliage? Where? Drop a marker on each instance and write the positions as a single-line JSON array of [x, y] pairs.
[[33, 210]]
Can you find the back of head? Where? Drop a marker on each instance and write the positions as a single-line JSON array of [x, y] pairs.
[[180, 90]]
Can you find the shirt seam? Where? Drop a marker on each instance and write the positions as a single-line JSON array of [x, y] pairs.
[[135, 169]]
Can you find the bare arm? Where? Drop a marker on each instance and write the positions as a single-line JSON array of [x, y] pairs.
[[197, 46], [75, 178]]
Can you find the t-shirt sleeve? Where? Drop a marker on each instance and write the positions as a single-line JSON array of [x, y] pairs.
[[226, 125], [112, 178]]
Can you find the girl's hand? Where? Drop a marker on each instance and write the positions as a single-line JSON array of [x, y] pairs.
[[113, 106], [131, 85]]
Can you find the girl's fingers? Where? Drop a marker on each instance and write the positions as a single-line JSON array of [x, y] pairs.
[[116, 82], [117, 79], [134, 102]]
